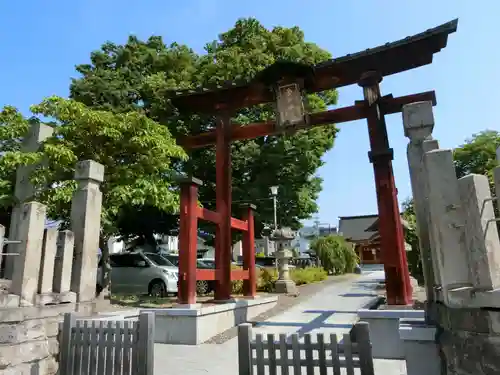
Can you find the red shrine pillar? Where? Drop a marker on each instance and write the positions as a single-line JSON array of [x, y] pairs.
[[223, 206], [398, 287], [249, 285], [188, 239]]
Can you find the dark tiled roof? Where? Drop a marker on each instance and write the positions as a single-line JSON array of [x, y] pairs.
[[354, 227], [390, 58], [374, 227]]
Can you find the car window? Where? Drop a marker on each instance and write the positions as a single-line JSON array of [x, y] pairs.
[[125, 260], [174, 260], [159, 260], [120, 260]]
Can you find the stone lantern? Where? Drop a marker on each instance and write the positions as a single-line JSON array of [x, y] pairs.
[[282, 238]]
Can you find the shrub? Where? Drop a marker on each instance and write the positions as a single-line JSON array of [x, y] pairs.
[[337, 256], [267, 278], [300, 276], [308, 275], [236, 285]]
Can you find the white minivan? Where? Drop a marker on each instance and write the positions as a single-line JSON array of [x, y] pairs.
[[142, 273]]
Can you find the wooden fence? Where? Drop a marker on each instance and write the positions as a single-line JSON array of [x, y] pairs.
[[315, 357], [107, 347]]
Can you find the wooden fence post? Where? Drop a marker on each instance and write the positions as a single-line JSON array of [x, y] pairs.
[[146, 343], [65, 344], [244, 349], [365, 348]]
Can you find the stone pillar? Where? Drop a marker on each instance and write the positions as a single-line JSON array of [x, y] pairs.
[[481, 233], [418, 122], [86, 226], [26, 269], [49, 250], [64, 261], [284, 284], [23, 190], [446, 212]]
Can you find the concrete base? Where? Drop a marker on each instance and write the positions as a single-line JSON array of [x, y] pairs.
[[384, 330], [286, 287], [9, 300], [55, 298], [420, 348], [193, 326]]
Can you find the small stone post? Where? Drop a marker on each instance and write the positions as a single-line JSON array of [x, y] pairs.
[[284, 284], [64, 261], [86, 226], [23, 190], [27, 264], [481, 233], [418, 122], [49, 250], [447, 230]]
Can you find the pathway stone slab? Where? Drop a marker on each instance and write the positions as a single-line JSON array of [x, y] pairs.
[[333, 310]]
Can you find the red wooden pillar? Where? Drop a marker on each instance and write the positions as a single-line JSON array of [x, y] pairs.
[[223, 206], [399, 291], [188, 236], [250, 285]]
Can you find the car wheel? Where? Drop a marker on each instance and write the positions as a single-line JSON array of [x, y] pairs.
[[157, 289], [202, 287]]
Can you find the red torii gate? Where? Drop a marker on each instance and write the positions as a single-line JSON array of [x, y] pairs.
[[365, 68]]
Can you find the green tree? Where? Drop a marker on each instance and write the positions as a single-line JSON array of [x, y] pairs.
[[136, 152], [477, 154], [411, 238], [13, 127], [137, 76], [336, 255]]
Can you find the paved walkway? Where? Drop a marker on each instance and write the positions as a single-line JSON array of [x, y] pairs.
[[333, 310]]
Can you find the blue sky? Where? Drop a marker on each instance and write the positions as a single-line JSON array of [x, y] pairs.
[[42, 41]]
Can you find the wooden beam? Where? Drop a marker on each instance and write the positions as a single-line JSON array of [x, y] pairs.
[[239, 224], [208, 215], [334, 116]]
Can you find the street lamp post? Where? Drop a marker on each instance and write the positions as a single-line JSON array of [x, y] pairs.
[[274, 194]]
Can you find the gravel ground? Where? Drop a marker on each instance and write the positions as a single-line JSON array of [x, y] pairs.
[[284, 303]]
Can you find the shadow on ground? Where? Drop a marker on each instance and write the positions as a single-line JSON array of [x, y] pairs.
[[316, 323]]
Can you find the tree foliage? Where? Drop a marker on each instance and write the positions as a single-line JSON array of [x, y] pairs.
[[336, 255], [136, 152], [477, 154], [138, 75], [411, 238]]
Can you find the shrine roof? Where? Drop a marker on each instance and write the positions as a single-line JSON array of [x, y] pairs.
[[354, 228], [390, 58], [374, 226]]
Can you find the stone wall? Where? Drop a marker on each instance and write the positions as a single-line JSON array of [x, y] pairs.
[[47, 272], [469, 340], [460, 250], [29, 337]]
